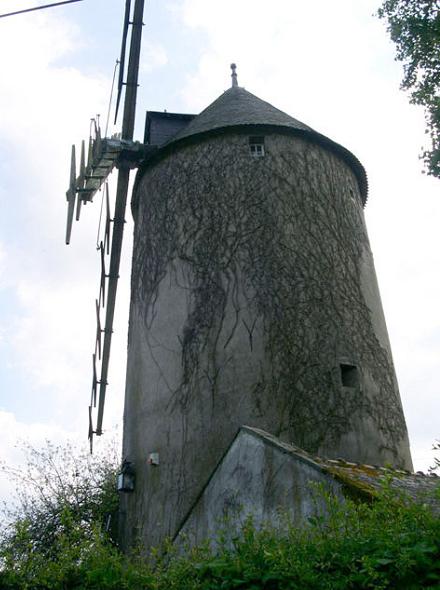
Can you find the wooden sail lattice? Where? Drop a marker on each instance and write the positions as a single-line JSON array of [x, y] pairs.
[[103, 155]]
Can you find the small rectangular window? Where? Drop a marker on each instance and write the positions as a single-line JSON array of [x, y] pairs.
[[256, 146], [349, 376]]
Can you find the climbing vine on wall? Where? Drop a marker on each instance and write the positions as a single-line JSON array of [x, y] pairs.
[[273, 246]]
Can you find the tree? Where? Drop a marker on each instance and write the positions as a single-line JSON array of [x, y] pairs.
[[436, 467], [58, 535], [391, 542], [414, 26], [63, 494]]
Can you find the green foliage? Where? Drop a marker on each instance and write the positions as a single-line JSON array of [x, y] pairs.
[[391, 543], [436, 467], [388, 545], [64, 498], [414, 26]]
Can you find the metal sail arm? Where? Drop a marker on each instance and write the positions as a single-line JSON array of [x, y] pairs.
[[121, 201], [122, 58], [113, 276], [133, 72]]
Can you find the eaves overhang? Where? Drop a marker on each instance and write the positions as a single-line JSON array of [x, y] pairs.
[[307, 134], [240, 111]]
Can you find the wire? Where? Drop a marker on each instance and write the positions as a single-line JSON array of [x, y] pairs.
[[39, 7], [111, 97], [100, 214]]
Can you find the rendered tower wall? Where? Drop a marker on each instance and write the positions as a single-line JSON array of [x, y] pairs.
[[254, 301]]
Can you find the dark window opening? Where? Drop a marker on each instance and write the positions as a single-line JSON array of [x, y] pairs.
[[256, 146], [349, 376]]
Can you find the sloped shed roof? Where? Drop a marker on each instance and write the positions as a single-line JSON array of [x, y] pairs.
[[364, 480], [238, 109]]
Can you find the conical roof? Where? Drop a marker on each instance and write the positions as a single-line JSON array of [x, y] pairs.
[[237, 106], [239, 109]]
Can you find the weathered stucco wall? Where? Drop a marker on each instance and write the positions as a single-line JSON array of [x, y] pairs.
[[260, 479], [252, 283]]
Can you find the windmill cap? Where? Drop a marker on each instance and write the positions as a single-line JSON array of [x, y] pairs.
[[237, 106], [237, 110]]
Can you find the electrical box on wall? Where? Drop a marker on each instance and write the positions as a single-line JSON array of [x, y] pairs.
[[153, 459]]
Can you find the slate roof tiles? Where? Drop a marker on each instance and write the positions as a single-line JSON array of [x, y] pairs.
[[237, 108]]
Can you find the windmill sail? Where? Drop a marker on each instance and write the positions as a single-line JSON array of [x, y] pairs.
[[122, 58], [94, 382], [103, 155], [90, 436], [103, 276], [81, 177], [98, 332], [121, 199], [107, 221], [71, 195]]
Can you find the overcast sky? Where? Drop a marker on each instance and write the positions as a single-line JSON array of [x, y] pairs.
[[328, 64]]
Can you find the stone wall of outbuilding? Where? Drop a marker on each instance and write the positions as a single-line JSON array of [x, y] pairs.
[[262, 481]]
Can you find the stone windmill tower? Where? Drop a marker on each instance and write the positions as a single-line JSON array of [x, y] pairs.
[[254, 301]]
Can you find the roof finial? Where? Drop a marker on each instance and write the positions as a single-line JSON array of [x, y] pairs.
[[234, 75]]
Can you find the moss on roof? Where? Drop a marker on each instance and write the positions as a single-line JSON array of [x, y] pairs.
[[362, 480]]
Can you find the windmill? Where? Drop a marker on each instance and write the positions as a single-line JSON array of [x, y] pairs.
[[254, 301], [103, 155]]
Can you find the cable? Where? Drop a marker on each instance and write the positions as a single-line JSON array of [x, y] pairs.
[[39, 7], [100, 214], [111, 97]]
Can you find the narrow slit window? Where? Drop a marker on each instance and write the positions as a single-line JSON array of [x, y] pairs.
[[349, 376], [256, 146]]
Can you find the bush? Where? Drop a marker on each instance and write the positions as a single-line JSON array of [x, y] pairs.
[[65, 500], [391, 543], [436, 467]]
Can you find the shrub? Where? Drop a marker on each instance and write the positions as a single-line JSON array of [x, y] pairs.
[[391, 543]]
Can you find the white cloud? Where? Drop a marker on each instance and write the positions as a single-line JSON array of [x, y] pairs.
[[60, 317], [328, 64], [14, 433], [51, 327], [2, 264], [153, 56], [282, 50], [332, 66]]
